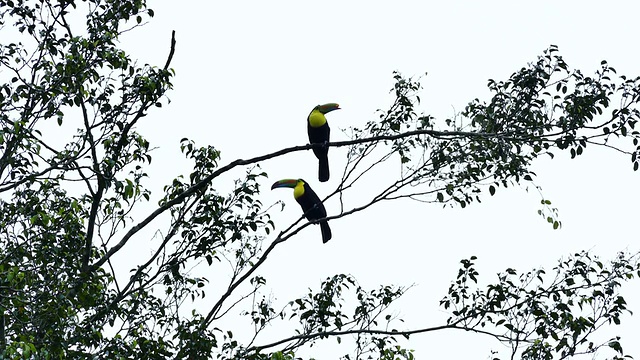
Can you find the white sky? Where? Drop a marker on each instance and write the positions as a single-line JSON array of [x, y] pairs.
[[248, 73]]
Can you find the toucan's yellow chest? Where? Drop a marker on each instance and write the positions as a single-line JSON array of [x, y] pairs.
[[317, 119], [298, 190]]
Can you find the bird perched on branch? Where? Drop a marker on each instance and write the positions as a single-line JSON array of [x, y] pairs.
[[318, 130], [310, 202]]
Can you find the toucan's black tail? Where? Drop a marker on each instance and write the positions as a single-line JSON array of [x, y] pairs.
[[326, 231], [323, 168]]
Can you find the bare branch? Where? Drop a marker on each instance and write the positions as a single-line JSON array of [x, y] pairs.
[[324, 334]]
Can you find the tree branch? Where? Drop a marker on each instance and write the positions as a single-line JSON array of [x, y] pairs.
[[172, 51], [324, 334], [202, 184]]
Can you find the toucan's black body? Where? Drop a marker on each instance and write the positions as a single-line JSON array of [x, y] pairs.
[[310, 203], [314, 210], [320, 135], [319, 132]]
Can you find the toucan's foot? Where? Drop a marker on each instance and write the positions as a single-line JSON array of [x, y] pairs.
[[325, 145]]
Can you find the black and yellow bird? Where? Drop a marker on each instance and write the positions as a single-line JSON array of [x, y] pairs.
[[309, 201], [318, 130]]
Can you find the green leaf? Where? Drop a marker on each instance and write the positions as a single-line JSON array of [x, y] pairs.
[[615, 345]]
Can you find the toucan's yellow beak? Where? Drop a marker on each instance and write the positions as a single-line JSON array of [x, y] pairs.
[[290, 183]]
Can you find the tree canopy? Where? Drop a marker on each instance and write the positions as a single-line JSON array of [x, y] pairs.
[[69, 204]]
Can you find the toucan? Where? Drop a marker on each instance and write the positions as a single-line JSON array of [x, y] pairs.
[[318, 130], [309, 201]]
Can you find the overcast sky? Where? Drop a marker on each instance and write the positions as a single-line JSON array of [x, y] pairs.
[[248, 73]]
